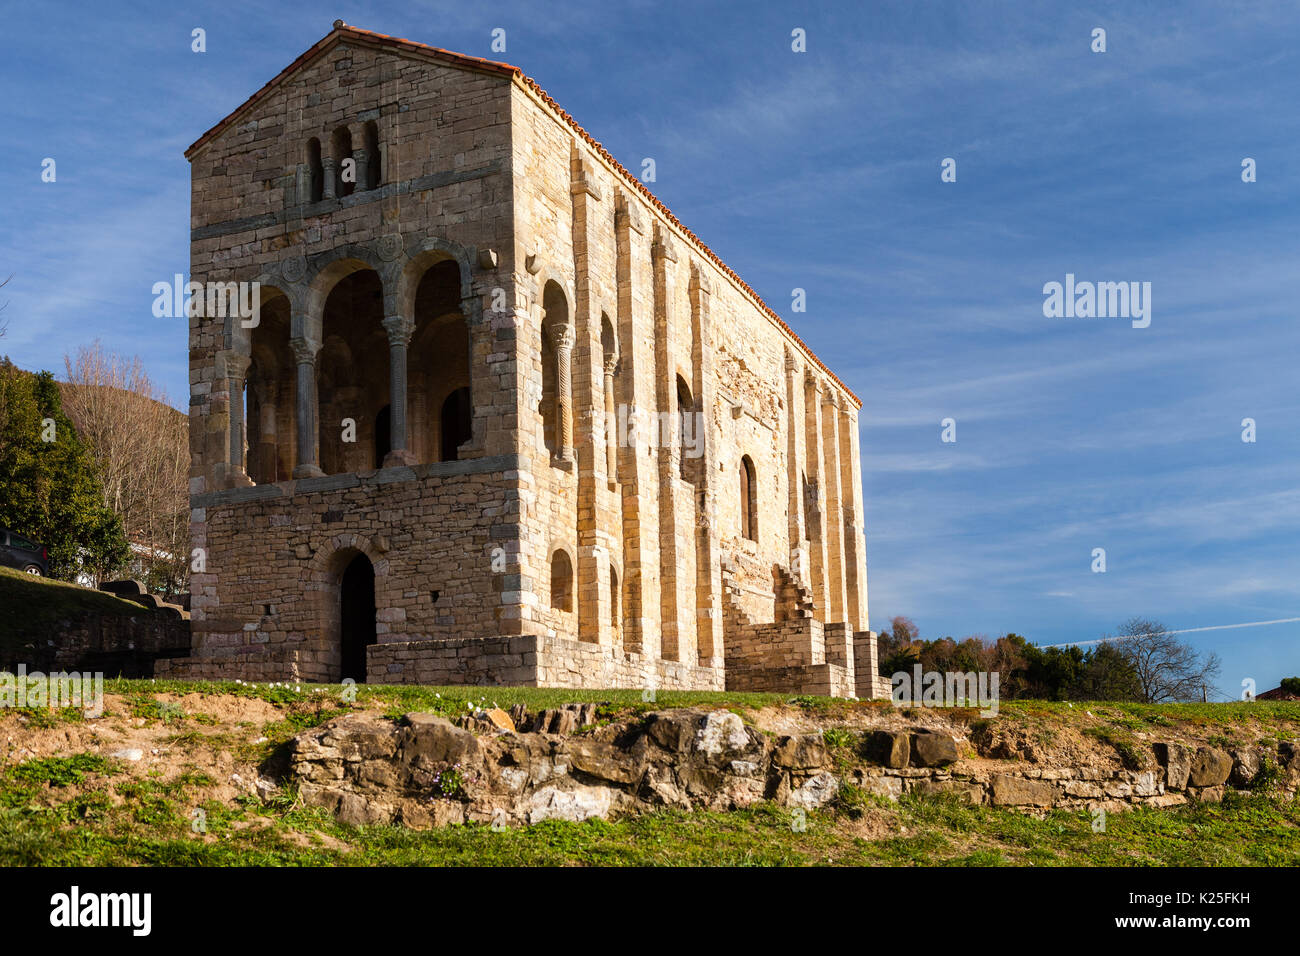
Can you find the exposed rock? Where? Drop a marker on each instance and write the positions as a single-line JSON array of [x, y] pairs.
[[1246, 765], [1210, 768], [933, 750], [577, 804], [1177, 761], [890, 748], [1009, 791], [816, 791], [721, 732], [804, 752]]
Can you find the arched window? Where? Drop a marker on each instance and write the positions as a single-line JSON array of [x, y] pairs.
[[374, 171], [315, 171], [561, 582], [615, 604], [748, 500], [688, 441], [342, 149]]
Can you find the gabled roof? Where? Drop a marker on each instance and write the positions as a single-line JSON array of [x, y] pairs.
[[343, 31]]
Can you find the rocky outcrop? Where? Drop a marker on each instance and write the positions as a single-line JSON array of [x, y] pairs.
[[424, 770]]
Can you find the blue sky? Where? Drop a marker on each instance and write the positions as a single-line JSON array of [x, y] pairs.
[[821, 170]]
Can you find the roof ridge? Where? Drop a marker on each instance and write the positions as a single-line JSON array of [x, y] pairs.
[[344, 29]]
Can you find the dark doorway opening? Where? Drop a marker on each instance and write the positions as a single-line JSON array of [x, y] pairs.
[[357, 617], [457, 423], [383, 434]]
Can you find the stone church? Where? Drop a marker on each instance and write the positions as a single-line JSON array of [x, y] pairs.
[[498, 417]]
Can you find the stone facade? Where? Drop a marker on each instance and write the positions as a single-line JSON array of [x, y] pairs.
[[500, 416]]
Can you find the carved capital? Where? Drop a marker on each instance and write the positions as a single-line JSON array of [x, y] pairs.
[[304, 350], [562, 336], [399, 329]]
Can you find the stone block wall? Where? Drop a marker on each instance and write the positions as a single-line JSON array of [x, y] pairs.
[[670, 437]]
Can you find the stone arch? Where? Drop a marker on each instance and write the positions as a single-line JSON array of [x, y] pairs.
[[615, 603], [556, 338], [352, 370], [410, 270], [748, 499], [687, 464], [322, 277], [325, 579], [439, 363], [561, 581]]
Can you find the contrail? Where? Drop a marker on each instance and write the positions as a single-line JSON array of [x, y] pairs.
[[1186, 630]]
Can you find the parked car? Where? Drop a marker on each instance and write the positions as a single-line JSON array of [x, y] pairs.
[[23, 553]]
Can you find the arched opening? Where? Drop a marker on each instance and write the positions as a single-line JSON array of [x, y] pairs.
[[345, 178], [352, 374], [356, 616], [315, 171], [374, 169], [269, 413], [555, 320], [383, 434], [455, 424], [561, 582], [615, 604], [748, 500], [438, 366], [688, 441]]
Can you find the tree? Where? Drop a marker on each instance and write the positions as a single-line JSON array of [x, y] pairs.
[[898, 648], [141, 448], [2, 308], [1166, 668], [48, 485], [1291, 685]]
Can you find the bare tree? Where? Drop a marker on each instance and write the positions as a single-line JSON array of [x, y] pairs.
[[4, 325], [1167, 669], [141, 446]]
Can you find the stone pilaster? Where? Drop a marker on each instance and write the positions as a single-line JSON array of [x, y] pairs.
[[833, 518], [815, 504]]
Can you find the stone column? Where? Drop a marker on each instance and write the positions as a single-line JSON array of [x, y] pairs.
[[304, 354], [327, 171], [363, 169], [611, 429], [236, 373], [563, 337], [399, 329]]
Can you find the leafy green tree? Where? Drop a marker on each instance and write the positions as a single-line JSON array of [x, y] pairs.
[[1291, 685], [48, 486]]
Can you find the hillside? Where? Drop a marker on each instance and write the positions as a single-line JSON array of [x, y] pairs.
[[180, 773]]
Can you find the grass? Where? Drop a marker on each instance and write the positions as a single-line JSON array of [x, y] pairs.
[[82, 809], [158, 827]]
